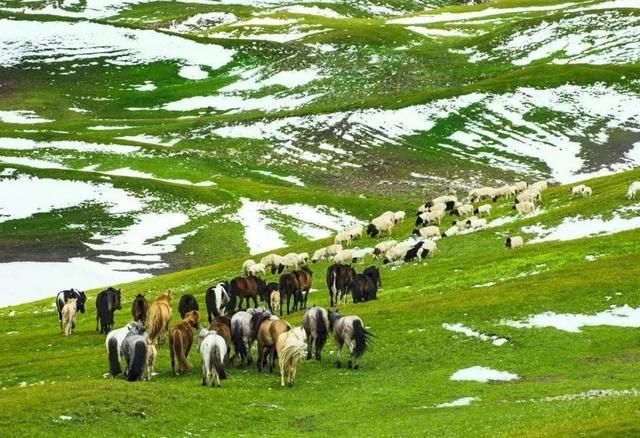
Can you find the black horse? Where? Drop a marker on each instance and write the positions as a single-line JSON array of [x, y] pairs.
[[365, 285], [107, 302], [62, 298], [288, 286], [187, 304], [339, 279]]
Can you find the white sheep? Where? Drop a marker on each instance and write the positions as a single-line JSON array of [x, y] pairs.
[[430, 232], [633, 189], [255, 269], [271, 261], [539, 185], [520, 186], [482, 193], [395, 253], [464, 210], [343, 237], [344, 256], [529, 195], [289, 262], [303, 258], [246, 265], [577, 190], [355, 231], [443, 199], [525, 207], [399, 216], [388, 215], [476, 224], [483, 210], [438, 207], [359, 255], [431, 246], [514, 242], [586, 192], [318, 255], [452, 231], [383, 247], [332, 250], [380, 225]]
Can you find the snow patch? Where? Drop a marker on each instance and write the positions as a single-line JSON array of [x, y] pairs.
[[482, 374], [21, 117], [464, 401], [459, 328]]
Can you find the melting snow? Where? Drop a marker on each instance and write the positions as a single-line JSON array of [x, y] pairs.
[[147, 86], [18, 116], [193, 72], [71, 145], [290, 79], [482, 374], [309, 10], [624, 316], [203, 21], [465, 401], [236, 103], [438, 32], [459, 328], [291, 179], [293, 35], [150, 139], [265, 22]]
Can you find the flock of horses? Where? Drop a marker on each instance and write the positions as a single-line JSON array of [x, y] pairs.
[[232, 330]]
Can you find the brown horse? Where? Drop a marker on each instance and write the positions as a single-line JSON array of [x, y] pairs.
[[139, 308], [222, 325], [245, 288], [305, 279], [180, 341], [158, 317], [268, 328]]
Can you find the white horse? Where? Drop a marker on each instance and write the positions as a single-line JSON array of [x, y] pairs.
[[69, 316], [213, 350], [291, 348], [350, 330]]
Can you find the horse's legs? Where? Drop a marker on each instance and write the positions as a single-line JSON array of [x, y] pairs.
[[338, 350], [318, 349], [294, 370], [204, 375], [309, 346], [255, 301]]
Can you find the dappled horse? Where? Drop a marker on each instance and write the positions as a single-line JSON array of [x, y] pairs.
[[107, 302], [242, 336], [213, 350], [186, 304], [350, 330], [181, 340], [216, 298], [159, 317], [139, 308]]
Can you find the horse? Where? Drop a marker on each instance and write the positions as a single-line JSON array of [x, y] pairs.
[[222, 325], [266, 328], [216, 299], [274, 301], [150, 362], [243, 288], [288, 287], [350, 330], [114, 344], [139, 308], [134, 351], [186, 304], [339, 279], [180, 341], [305, 279], [107, 302], [159, 317], [316, 324], [69, 316], [62, 298], [242, 335], [365, 285], [213, 350], [291, 347]]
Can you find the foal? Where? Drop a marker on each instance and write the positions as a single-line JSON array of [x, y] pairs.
[[69, 316]]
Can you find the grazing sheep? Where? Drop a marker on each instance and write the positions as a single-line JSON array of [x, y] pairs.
[[520, 186], [442, 200], [529, 195], [359, 255], [246, 265], [483, 210], [539, 185], [577, 190], [255, 269], [289, 262], [343, 237], [514, 242], [525, 207], [430, 232], [476, 224], [586, 192], [332, 250], [271, 261], [303, 258], [395, 253], [430, 246], [345, 256], [464, 210], [355, 231], [453, 231], [481, 194], [633, 189], [383, 247], [416, 251], [460, 225], [430, 218], [318, 255], [440, 207], [380, 225], [398, 216], [388, 215], [504, 192]]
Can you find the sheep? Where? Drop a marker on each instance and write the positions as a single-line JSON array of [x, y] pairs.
[[520, 186], [271, 261], [416, 251], [318, 255], [355, 231], [529, 195], [255, 269], [395, 253], [359, 255], [430, 232], [343, 238], [433, 217], [483, 210], [383, 247], [525, 207], [633, 189], [442, 200], [439, 207], [539, 185], [504, 192], [246, 265], [577, 190], [460, 225], [476, 224], [380, 225], [345, 256], [465, 210], [303, 258], [332, 250], [289, 262], [481, 194], [398, 216], [452, 231], [586, 192], [514, 242], [388, 215], [430, 246]]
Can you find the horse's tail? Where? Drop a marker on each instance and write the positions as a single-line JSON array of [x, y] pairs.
[[136, 366], [154, 321], [322, 324], [334, 280], [114, 357], [293, 352], [236, 339], [362, 337], [216, 362], [179, 352]]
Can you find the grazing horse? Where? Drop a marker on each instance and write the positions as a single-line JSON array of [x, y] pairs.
[[339, 279], [291, 347], [241, 334], [305, 279], [186, 304], [69, 316], [107, 302], [114, 344], [62, 298], [213, 350], [241, 288], [180, 341], [134, 351], [159, 317], [216, 299], [288, 287], [350, 330], [139, 308], [222, 325], [316, 324], [365, 285]]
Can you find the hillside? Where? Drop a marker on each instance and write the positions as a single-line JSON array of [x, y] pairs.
[[223, 118], [572, 371]]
